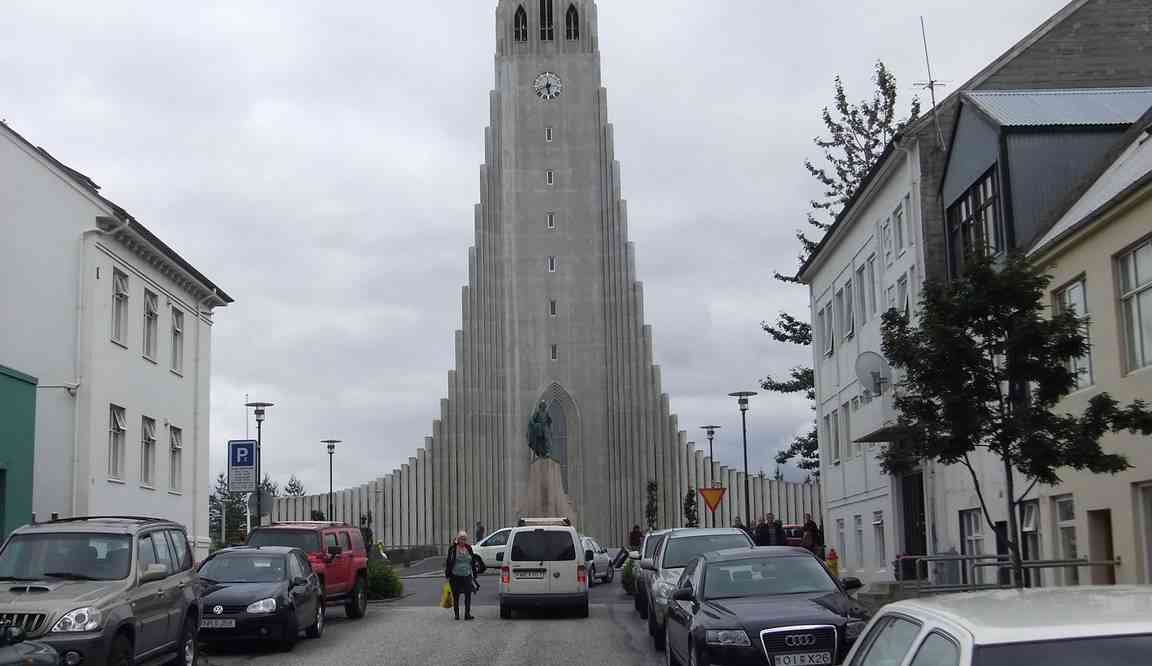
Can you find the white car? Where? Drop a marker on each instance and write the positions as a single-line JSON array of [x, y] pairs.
[[544, 566], [494, 543], [601, 564], [1066, 626]]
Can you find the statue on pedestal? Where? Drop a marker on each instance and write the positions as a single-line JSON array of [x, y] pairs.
[[540, 431]]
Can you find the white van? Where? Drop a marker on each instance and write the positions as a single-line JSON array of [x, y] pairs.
[[544, 566]]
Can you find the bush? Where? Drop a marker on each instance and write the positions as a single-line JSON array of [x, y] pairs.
[[383, 582], [628, 577]]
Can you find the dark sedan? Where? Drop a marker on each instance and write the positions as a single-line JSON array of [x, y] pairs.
[[260, 592], [776, 606]]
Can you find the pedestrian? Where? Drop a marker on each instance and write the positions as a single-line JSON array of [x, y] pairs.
[[810, 536], [739, 524], [769, 532], [460, 570], [480, 532], [760, 534], [635, 538]]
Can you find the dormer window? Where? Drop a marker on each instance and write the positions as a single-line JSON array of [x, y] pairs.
[[547, 29], [520, 25], [572, 23]]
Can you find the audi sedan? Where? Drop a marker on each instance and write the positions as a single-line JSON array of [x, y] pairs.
[[776, 605]]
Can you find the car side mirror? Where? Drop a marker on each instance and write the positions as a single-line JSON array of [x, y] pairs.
[[499, 557], [299, 582], [851, 584], [684, 594], [11, 636], [648, 564], [154, 572], [589, 555], [334, 551]]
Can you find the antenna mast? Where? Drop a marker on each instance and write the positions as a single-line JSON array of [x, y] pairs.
[[931, 84]]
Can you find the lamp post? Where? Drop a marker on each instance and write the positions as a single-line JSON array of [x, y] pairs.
[[742, 400], [710, 431], [258, 409], [331, 450]]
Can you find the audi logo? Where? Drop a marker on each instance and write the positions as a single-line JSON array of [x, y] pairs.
[[799, 640]]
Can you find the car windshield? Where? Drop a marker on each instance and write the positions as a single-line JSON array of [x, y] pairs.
[[1111, 650], [244, 568], [651, 545], [766, 576], [680, 551], [305, 540], [543, 546], [67, 556]]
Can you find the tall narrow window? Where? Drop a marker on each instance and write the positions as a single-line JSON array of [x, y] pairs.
[[1066, 537], [116, 428], [878, 538], [858, 523], [898, 227], [1073, 299], [548, 134], [550, 176], [886, 240], [973, 222], [151, 318], [147, 451], [520, 25], [902, 295], [872, 285], [572, 23], [551, 264], [829, 444], [861, 294], [119, 306], [177, 340], [829, 331], [1136, 304], [972, 538], [551, 220], [849, 311], [835, 435], [846, 430], [840, 536], [555, 352], [547, 29], [552, 308], [176, 461], [840, 316]]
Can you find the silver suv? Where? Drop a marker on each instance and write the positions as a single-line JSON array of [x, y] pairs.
[[103, 589]]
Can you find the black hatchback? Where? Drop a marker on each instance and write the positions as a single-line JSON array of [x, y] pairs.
[[260, 592], [774, 605]]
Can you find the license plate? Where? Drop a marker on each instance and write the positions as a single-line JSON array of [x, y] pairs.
[[804, 659], [217, 624], [530, 573]]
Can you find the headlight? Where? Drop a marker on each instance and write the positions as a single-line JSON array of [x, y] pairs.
[[262, 606], [853, 629], [665, 584], [727, 638], [81, 619]]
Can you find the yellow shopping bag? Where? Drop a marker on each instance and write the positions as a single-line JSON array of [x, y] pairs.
[[446, 596]]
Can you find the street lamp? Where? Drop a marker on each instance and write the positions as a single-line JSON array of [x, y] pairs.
[[742, 400], [258, 409], [710, 431], [331, 450]]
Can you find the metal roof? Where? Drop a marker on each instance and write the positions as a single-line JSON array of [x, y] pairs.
[[1045, 108]]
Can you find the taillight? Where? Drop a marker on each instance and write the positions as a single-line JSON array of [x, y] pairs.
[[581, 574], [505, 575]]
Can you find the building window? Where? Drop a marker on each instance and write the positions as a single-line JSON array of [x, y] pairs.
[[825, 330], [1030, 532], [119, 306], [878, 539], [177, 340], [829, 443], [151, 319], [551, 264], [572, 23], [1065, 509], [858, 523], [886, 240], [861, 295], [892, 297], [551, 220], [551, 177], [1073, 298], [548, 134], [898, 227], [902, 295], [555, 352], [846, 430], [117, 425], [849, 311], [147, 451], [974, 227], [972, 539], [520, 25], [840, 317], [176, 462], [547, 31], [835, 435], [552, 308], [872, 285], [840, 537], [1136, 304]]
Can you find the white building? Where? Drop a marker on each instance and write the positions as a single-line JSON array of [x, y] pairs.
[[117, 327]]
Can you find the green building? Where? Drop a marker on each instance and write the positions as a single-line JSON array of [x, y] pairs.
[[17, 448]]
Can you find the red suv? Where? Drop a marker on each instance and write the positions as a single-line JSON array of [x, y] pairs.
[[337, 555]]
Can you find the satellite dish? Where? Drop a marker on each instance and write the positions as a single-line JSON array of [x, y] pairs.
[[872, 372]]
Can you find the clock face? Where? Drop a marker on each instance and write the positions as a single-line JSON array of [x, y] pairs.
[[547, 86]]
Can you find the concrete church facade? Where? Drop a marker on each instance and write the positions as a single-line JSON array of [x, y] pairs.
[[553, 313]]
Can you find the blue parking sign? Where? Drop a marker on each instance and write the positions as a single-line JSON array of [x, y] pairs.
[[242, 466]]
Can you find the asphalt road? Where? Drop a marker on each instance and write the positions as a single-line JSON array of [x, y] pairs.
[[415, 630]]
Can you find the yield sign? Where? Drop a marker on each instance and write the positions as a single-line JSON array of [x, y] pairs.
[[712, 497]]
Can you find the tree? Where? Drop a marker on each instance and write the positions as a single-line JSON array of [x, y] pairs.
[[652, 507], [231, 508], [857, 136], [294, 488], [983, 370], [317, 515], [691, 514], [269, 488]]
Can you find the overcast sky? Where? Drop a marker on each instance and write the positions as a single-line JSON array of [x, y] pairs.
[[319, 162]]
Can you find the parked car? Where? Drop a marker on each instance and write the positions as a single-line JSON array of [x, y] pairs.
[[15, 650], [1065, 626], [773, 605], [495, 542], [336, 553], [601, 564], [648, 549], [262, 593], [678, 548], [544, 567], [103, 589]]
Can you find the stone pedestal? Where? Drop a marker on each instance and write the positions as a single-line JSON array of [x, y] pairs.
[[544, 496]]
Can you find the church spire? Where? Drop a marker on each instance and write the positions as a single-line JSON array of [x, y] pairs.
[[546, 27]]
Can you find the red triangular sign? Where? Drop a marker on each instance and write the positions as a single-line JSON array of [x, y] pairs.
[[712, 497]]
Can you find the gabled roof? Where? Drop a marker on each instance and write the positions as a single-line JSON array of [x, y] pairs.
[[90, 186], [1050, 108]]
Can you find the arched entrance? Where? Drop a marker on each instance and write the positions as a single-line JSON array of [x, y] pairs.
[[565, 433]]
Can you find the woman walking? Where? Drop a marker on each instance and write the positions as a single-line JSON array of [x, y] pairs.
[[460, 570]]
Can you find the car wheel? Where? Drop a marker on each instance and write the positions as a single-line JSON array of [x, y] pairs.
[[642, 598], [358, 604], [120, 653], [582, 610], [505, 612], [187, 654], [611, 573], [317, 628]]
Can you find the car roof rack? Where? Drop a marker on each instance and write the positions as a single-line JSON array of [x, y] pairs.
[[139, 519], [542, 522]]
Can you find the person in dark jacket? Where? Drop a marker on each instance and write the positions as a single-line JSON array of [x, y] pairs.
[[635, 538], [770, 532], [460, 569], [811, 535]]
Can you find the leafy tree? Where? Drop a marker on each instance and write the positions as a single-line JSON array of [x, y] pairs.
[[779, 475], [269, 488], [857, 136], [652, 507], [317, 515], [983, 370], [691, 514], [294, 488], [229, 507]]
